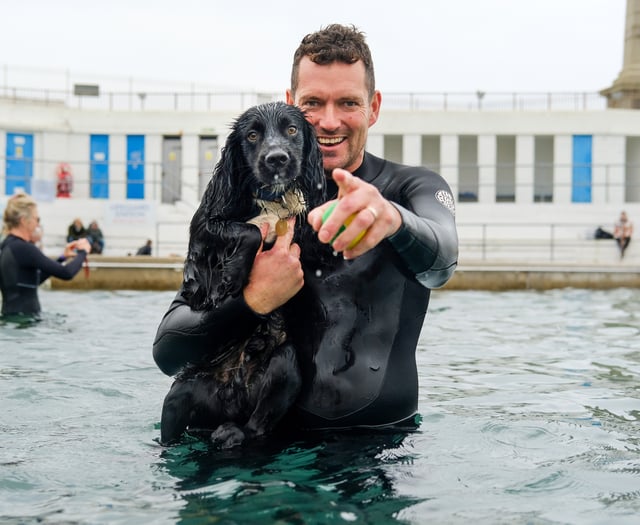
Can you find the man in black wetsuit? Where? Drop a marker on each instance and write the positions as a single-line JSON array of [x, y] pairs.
[[357, 348], [23, 267]]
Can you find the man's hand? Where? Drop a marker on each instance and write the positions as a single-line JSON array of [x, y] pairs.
[[371, 212], [276, 275]]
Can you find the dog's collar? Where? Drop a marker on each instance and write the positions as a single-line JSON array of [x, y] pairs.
[[284, 206], [268, 193], [290, 204]]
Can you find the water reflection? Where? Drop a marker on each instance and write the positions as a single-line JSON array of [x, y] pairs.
[[328, 478]]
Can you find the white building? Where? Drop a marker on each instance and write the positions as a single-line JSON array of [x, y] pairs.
[[545, 169]]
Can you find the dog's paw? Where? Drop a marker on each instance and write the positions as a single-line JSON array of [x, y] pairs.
[[228, 435]]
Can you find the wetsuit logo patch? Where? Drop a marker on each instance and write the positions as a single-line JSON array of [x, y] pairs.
[[446, 199]]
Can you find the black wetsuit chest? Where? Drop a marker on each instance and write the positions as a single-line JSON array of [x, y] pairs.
[[358, 342]]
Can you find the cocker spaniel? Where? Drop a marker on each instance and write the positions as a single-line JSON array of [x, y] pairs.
[[270, 169]]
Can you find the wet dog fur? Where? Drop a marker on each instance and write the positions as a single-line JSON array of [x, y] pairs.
[[249, 383]]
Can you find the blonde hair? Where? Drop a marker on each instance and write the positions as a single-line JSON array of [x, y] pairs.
[[19, 206]]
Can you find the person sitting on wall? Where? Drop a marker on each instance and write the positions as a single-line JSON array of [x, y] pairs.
[[622, 232], [76, 230], [95, 237], [146, 249]]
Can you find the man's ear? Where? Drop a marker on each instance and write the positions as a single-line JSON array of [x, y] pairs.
[[374, 107], [289, 97]]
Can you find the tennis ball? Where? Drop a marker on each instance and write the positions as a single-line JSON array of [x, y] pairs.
[[347, 221]]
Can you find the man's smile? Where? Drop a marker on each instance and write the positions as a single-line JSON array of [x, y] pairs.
[[330, 141]]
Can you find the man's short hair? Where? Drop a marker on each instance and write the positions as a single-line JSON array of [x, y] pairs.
[[335, 43]]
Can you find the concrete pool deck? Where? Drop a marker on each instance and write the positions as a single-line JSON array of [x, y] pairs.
[[165, 273]]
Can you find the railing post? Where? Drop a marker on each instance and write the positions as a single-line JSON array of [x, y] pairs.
[[484, 241]]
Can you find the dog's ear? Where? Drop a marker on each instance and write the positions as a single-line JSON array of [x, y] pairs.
[[220, 196], [227, 195], [313, 180]]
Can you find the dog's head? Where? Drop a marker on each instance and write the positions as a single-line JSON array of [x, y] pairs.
[[272, 137], [271, 150], [270, 157]]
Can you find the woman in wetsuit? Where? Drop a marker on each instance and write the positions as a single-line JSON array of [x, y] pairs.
[[357, 321], [23, 267]]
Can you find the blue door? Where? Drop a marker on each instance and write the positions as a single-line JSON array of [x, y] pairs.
[[581, 175], [19, 163], [135, 166], [99, 151]]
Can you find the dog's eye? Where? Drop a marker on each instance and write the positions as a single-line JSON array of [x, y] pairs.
[[292, 130], [252, 136]]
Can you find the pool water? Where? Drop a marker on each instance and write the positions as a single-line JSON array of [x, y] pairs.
[[529, 403]]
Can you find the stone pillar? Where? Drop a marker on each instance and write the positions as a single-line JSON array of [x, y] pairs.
[[487, 147], [152, 168], [375, 145], [625, 91], [563, 169], [608, 169], [449, 161], [190, 169], [412, 150], [525, 146]]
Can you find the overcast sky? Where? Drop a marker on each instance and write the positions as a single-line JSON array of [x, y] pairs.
[[418, 45]]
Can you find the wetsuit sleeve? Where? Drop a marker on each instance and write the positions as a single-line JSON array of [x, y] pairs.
[[67, 271], [29, 255], [427, 241], [188, 336]]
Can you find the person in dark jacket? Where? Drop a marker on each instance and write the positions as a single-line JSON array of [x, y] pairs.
[[76, 230], [23, 266], [145, 249], [356, 318], [96, 238]]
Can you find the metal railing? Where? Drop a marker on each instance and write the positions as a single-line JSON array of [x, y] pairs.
[[558, 242], [479, 242], [24, 85], [572, 243], [207, 101]]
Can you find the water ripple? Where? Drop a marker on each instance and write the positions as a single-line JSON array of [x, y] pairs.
[[528, 399]]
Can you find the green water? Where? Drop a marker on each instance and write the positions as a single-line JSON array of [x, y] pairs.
[[529, 405]]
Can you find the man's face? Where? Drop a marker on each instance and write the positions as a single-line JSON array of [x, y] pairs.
[[336, 102]]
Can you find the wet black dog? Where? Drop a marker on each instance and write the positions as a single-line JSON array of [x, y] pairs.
[[270, 169]]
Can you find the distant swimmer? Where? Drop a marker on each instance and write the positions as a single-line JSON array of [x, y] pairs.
[[23, 266]]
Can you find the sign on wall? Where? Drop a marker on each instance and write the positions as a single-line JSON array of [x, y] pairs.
[[133, 213]]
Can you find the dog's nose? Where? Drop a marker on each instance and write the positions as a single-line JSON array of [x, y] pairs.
[[277, 159]]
